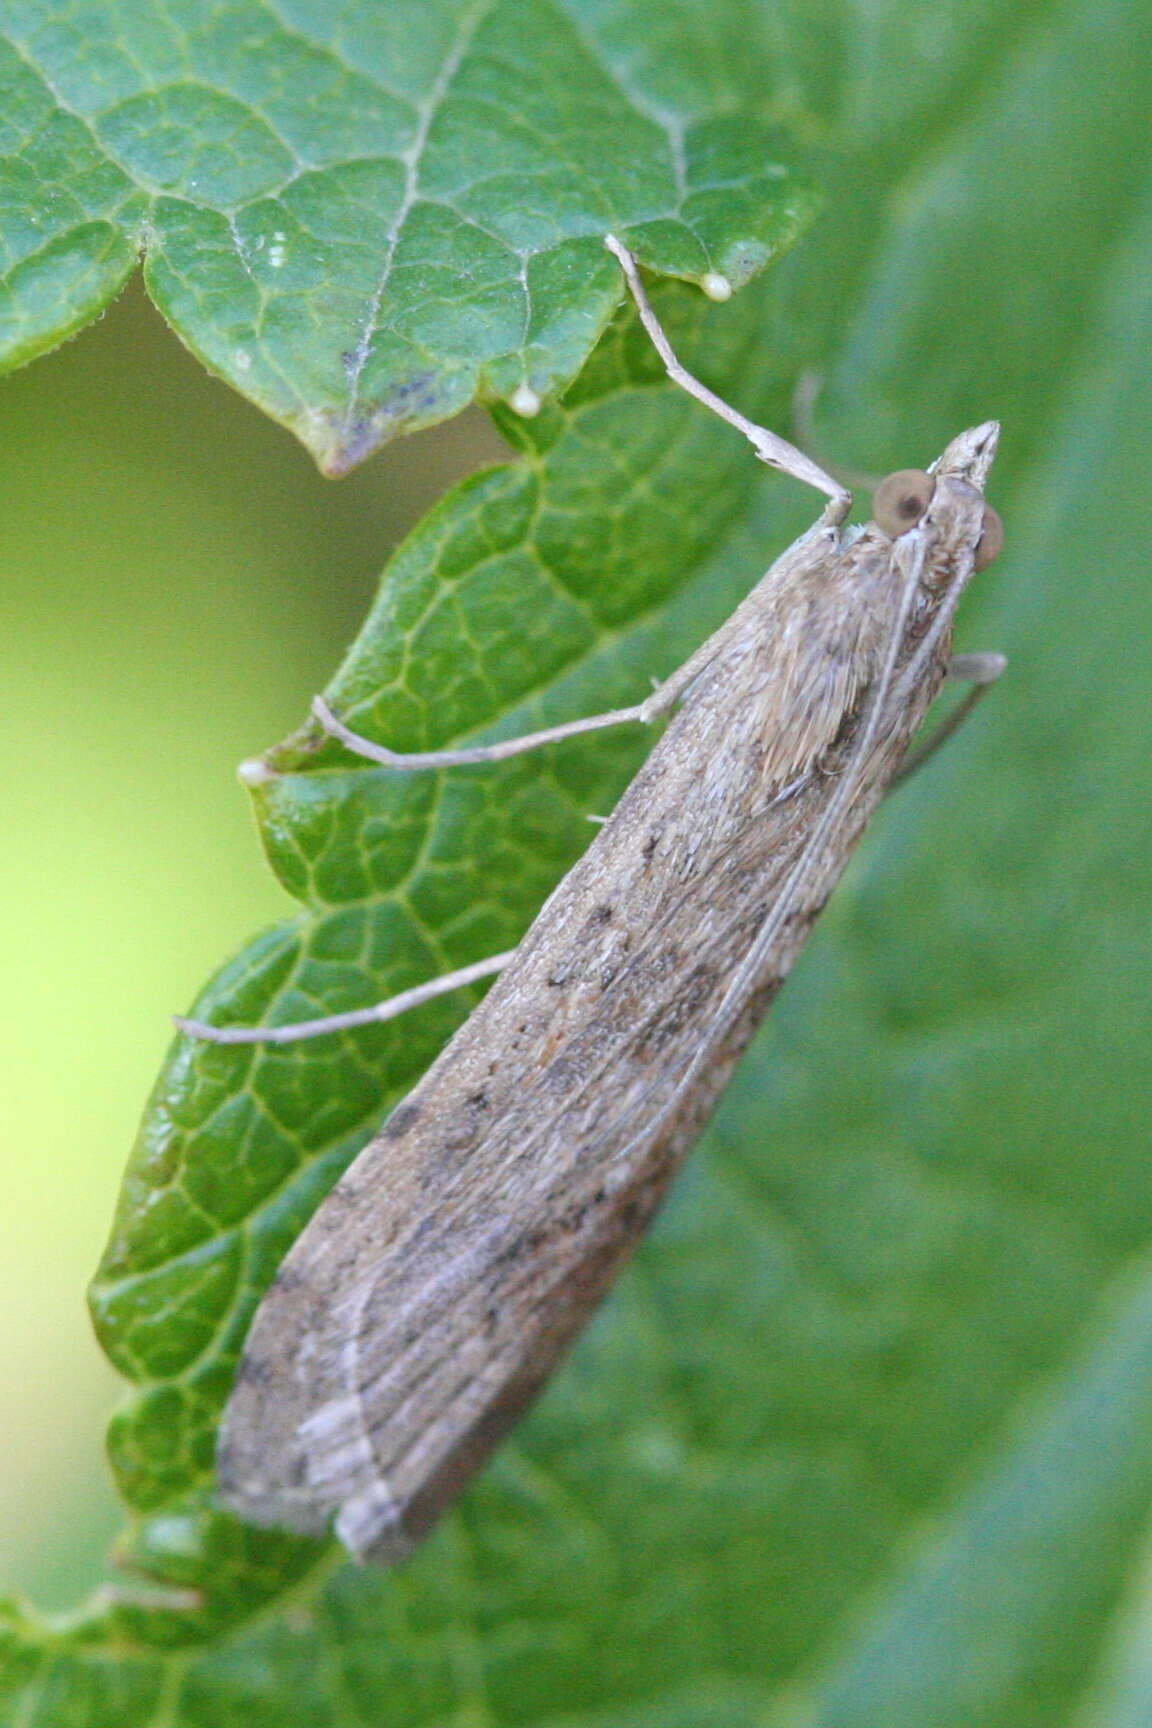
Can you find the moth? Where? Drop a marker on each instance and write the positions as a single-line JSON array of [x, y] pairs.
[[437, 1287]]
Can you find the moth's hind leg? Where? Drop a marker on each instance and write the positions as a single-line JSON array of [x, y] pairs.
[[980, 671], [770, 448], [371, 1016], [656, 704]]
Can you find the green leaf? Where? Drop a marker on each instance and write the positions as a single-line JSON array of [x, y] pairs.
[[363, 217], [865, 1436], [495, 610]]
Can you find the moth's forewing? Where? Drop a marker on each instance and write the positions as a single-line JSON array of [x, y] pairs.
[[434, 1291]]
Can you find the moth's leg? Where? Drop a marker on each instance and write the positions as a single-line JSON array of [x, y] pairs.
[[770, 448], [978, 670], [658, 703], [387, 1010], [804, 399], [981, 669], [156, 1597]]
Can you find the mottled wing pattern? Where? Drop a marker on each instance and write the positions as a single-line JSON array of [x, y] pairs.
[[434, 1291]]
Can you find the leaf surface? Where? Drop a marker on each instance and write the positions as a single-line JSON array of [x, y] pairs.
[[360, 216], [865, 1436]]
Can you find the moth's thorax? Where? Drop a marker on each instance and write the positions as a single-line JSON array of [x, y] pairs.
[[949, 534]]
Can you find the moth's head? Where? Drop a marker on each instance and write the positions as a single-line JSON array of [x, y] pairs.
[[951, 490]]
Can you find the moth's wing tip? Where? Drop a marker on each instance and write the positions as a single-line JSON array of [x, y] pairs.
[[264, 1477], [269, 1505], [271, 1508], [370, 1525], [315, 1477]]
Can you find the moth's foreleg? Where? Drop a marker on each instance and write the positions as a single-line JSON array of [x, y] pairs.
[[980, 671], [386, 1010], [770, 448]]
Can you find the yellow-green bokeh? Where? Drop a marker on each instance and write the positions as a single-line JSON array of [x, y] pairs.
[[176, 580]]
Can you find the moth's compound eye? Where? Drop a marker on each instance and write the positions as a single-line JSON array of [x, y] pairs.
[[899, 501], [991, 541]]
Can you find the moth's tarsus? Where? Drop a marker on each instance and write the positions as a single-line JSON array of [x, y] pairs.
[[716, 286], [525, 401], [436, 1289], [150, 1598], [980, 671], [984, 668], [255, 772]]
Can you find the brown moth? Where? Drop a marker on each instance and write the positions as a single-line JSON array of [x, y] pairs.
[[435, 1290]]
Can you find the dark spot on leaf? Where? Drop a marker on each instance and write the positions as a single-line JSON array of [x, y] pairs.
[[351, 439]]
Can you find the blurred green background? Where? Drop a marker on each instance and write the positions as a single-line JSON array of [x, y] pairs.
[[828, 1398], [177, 580]]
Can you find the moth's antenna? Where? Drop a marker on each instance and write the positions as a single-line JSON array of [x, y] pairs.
[[737, 991], [738, 987]]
